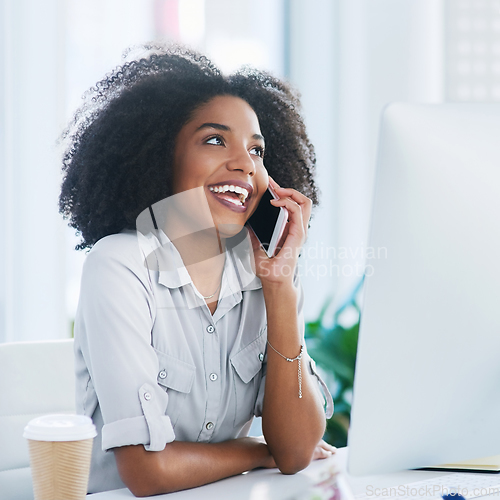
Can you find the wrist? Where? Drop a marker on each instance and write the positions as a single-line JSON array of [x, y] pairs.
[[274, 272], [284, 292], [264, 456], [258, 450], [286, 286]]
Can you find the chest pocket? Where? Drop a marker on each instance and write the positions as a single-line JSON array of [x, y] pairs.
[[176, 377], [247, 375]]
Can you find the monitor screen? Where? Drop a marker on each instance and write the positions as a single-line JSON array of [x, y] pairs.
[[427, 383]]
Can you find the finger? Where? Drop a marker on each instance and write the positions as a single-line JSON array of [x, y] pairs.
[[321, 453], [294, 226], [299, 198], [327, 446], [294, 213], [303, 201]]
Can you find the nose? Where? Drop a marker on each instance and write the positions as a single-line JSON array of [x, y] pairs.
[[242, 161]]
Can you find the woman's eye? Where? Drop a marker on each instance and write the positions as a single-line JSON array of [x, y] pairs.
[[257, 150], [216, 140]]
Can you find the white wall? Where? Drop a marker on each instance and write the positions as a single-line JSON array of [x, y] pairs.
[[390, 50], [349, 59], [245, 32], [96, 36], [32, 304], [51, 52], [314, 71]]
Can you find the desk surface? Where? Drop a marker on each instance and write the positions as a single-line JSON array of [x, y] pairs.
[[270, 484]]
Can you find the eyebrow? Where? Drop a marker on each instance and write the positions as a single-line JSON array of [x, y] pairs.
[[220, 126]]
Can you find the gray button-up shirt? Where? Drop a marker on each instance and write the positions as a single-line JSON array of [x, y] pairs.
[[152, 363]]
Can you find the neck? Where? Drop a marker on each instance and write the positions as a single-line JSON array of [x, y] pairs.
[[197, 248], [203, 254]]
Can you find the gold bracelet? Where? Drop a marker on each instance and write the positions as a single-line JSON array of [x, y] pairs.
[[297, 358]]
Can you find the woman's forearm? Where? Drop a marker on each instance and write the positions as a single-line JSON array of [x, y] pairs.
[[183, 465], [292, 426]]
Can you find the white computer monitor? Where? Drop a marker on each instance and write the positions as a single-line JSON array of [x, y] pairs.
[[427, 383]]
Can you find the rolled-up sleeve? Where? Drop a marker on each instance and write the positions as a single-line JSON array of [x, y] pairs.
[[113, 332]]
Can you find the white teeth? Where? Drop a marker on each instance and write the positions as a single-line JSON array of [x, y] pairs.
[[241, 191]]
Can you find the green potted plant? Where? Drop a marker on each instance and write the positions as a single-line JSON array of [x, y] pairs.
[[334, 350]]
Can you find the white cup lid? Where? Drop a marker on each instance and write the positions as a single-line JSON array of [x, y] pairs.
[[60, 428]]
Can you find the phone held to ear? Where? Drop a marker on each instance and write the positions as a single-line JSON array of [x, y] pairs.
[[268, 222]]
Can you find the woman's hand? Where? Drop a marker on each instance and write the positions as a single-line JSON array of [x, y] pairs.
[[269, 462], [323, 450], [281, 267]]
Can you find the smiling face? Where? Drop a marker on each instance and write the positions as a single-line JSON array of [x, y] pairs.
[[221, 150]]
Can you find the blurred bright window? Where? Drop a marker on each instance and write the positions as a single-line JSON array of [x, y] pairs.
[[348, 58]]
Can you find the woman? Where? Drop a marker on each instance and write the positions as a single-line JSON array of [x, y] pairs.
[[163, 170]]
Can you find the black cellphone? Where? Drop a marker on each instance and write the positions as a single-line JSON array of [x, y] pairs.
[[268, 222]]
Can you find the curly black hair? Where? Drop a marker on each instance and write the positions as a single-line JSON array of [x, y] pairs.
[[121, 142]]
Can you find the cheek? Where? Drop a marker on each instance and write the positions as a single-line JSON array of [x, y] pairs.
[[185, 173], [200, 166], [262, 178]]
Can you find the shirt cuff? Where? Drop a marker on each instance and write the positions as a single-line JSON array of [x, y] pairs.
[[153, 429], [259, 403], [326, 392]]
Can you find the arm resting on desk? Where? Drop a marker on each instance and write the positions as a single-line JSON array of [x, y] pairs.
[[183, 465]]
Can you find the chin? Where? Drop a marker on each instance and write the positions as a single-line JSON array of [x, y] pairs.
[[229, 230]]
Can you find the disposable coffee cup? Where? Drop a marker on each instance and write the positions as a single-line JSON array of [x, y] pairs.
[[60, 448]]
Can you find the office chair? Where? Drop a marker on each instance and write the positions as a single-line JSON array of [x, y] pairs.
[[36, 378]]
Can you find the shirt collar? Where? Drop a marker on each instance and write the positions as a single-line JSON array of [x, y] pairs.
[[238, 275], [240, 254]]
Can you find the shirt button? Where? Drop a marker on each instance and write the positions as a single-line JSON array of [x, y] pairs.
[[210, 329], [162, 374], [213, 377], [147, 396], [209, 426], [261, 357]]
